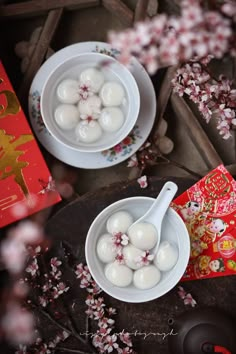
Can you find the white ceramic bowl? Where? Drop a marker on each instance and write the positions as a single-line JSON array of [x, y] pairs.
[[71, 68], [173, 230]]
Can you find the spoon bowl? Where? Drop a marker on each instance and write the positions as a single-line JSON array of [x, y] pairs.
[[156, 213]]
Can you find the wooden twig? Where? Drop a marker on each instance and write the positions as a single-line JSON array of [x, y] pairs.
[[140, 12], [58, 324], [163, 99], [196, 132], [36, 7], [38, 55], [67, 350], [118, 8], [180, 166]]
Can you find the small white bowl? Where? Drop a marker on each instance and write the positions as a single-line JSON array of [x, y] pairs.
[[173, 230], [113, 71]]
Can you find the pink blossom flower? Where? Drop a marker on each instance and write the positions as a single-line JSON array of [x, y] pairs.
[[110, 343], [98, 342], [181, 292], [18, 324], [133, 161], [49, 186], [111, 311], [85, 90], [59, 290], [105, 322], [54, 262], [43, 301], [94, 288], [13, 254], [142, 181], [33, 267], [145, 146], [144, 259], [82, 272], [22, 349], [125, 338], [189, 300], [120, 257], [26, 232], [47, 286], [89, 117], [120, 239]]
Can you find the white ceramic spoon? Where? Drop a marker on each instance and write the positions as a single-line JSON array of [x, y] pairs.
[[158, 209]]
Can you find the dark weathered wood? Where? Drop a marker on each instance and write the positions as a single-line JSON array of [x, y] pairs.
[[72, 223], [36, 7], [195, 131], [119, 9], [163, 99], [38, 55], [140, 12]]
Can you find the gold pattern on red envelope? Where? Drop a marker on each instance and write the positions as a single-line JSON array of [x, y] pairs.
[[209, 211], [22, 166], [9, 102], [10, 165]]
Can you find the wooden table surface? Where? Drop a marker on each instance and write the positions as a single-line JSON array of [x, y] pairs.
[[72, 222]]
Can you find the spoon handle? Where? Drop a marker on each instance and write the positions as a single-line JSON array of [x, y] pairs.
[[163, 200]]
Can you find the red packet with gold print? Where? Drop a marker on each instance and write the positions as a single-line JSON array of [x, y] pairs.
[[209, 211], [25, 182]]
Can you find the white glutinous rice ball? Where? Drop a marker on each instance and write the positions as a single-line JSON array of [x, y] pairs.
[[167, 256], [131, 256], [90, 106], [143, 235], [93, 77], [111, 119], [119, 222], [146, 277], [106, 250], [118, 274], [112, 93], [66, 116], [68, 91], [88, 132]]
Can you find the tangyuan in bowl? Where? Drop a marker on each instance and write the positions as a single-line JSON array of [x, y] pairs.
[[129, 271], [90, 102]]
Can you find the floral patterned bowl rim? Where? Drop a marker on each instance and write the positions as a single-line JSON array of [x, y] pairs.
[[118, 153]]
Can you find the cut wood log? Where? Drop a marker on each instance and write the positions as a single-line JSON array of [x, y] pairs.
[[35, 7], [162, 101], [118, 8], [140, 12], [40, 51], [196, 132]]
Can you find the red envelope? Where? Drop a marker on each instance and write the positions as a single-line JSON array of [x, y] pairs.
[[25, 182], [209, 211]]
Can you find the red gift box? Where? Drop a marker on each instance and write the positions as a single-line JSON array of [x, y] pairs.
[[25, 182], [209, 211]]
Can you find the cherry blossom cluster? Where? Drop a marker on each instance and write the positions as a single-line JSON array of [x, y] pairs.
[[187, 297], [214, 97], [40, 347], [17, 323], [104, 339], [53, 287], [164, 41]]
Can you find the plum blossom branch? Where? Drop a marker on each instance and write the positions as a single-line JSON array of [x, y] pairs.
[[165, 41], [213, 98], [192, 39]]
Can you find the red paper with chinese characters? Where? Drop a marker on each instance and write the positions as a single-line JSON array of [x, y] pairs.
[[24, 176], [209, 211]]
